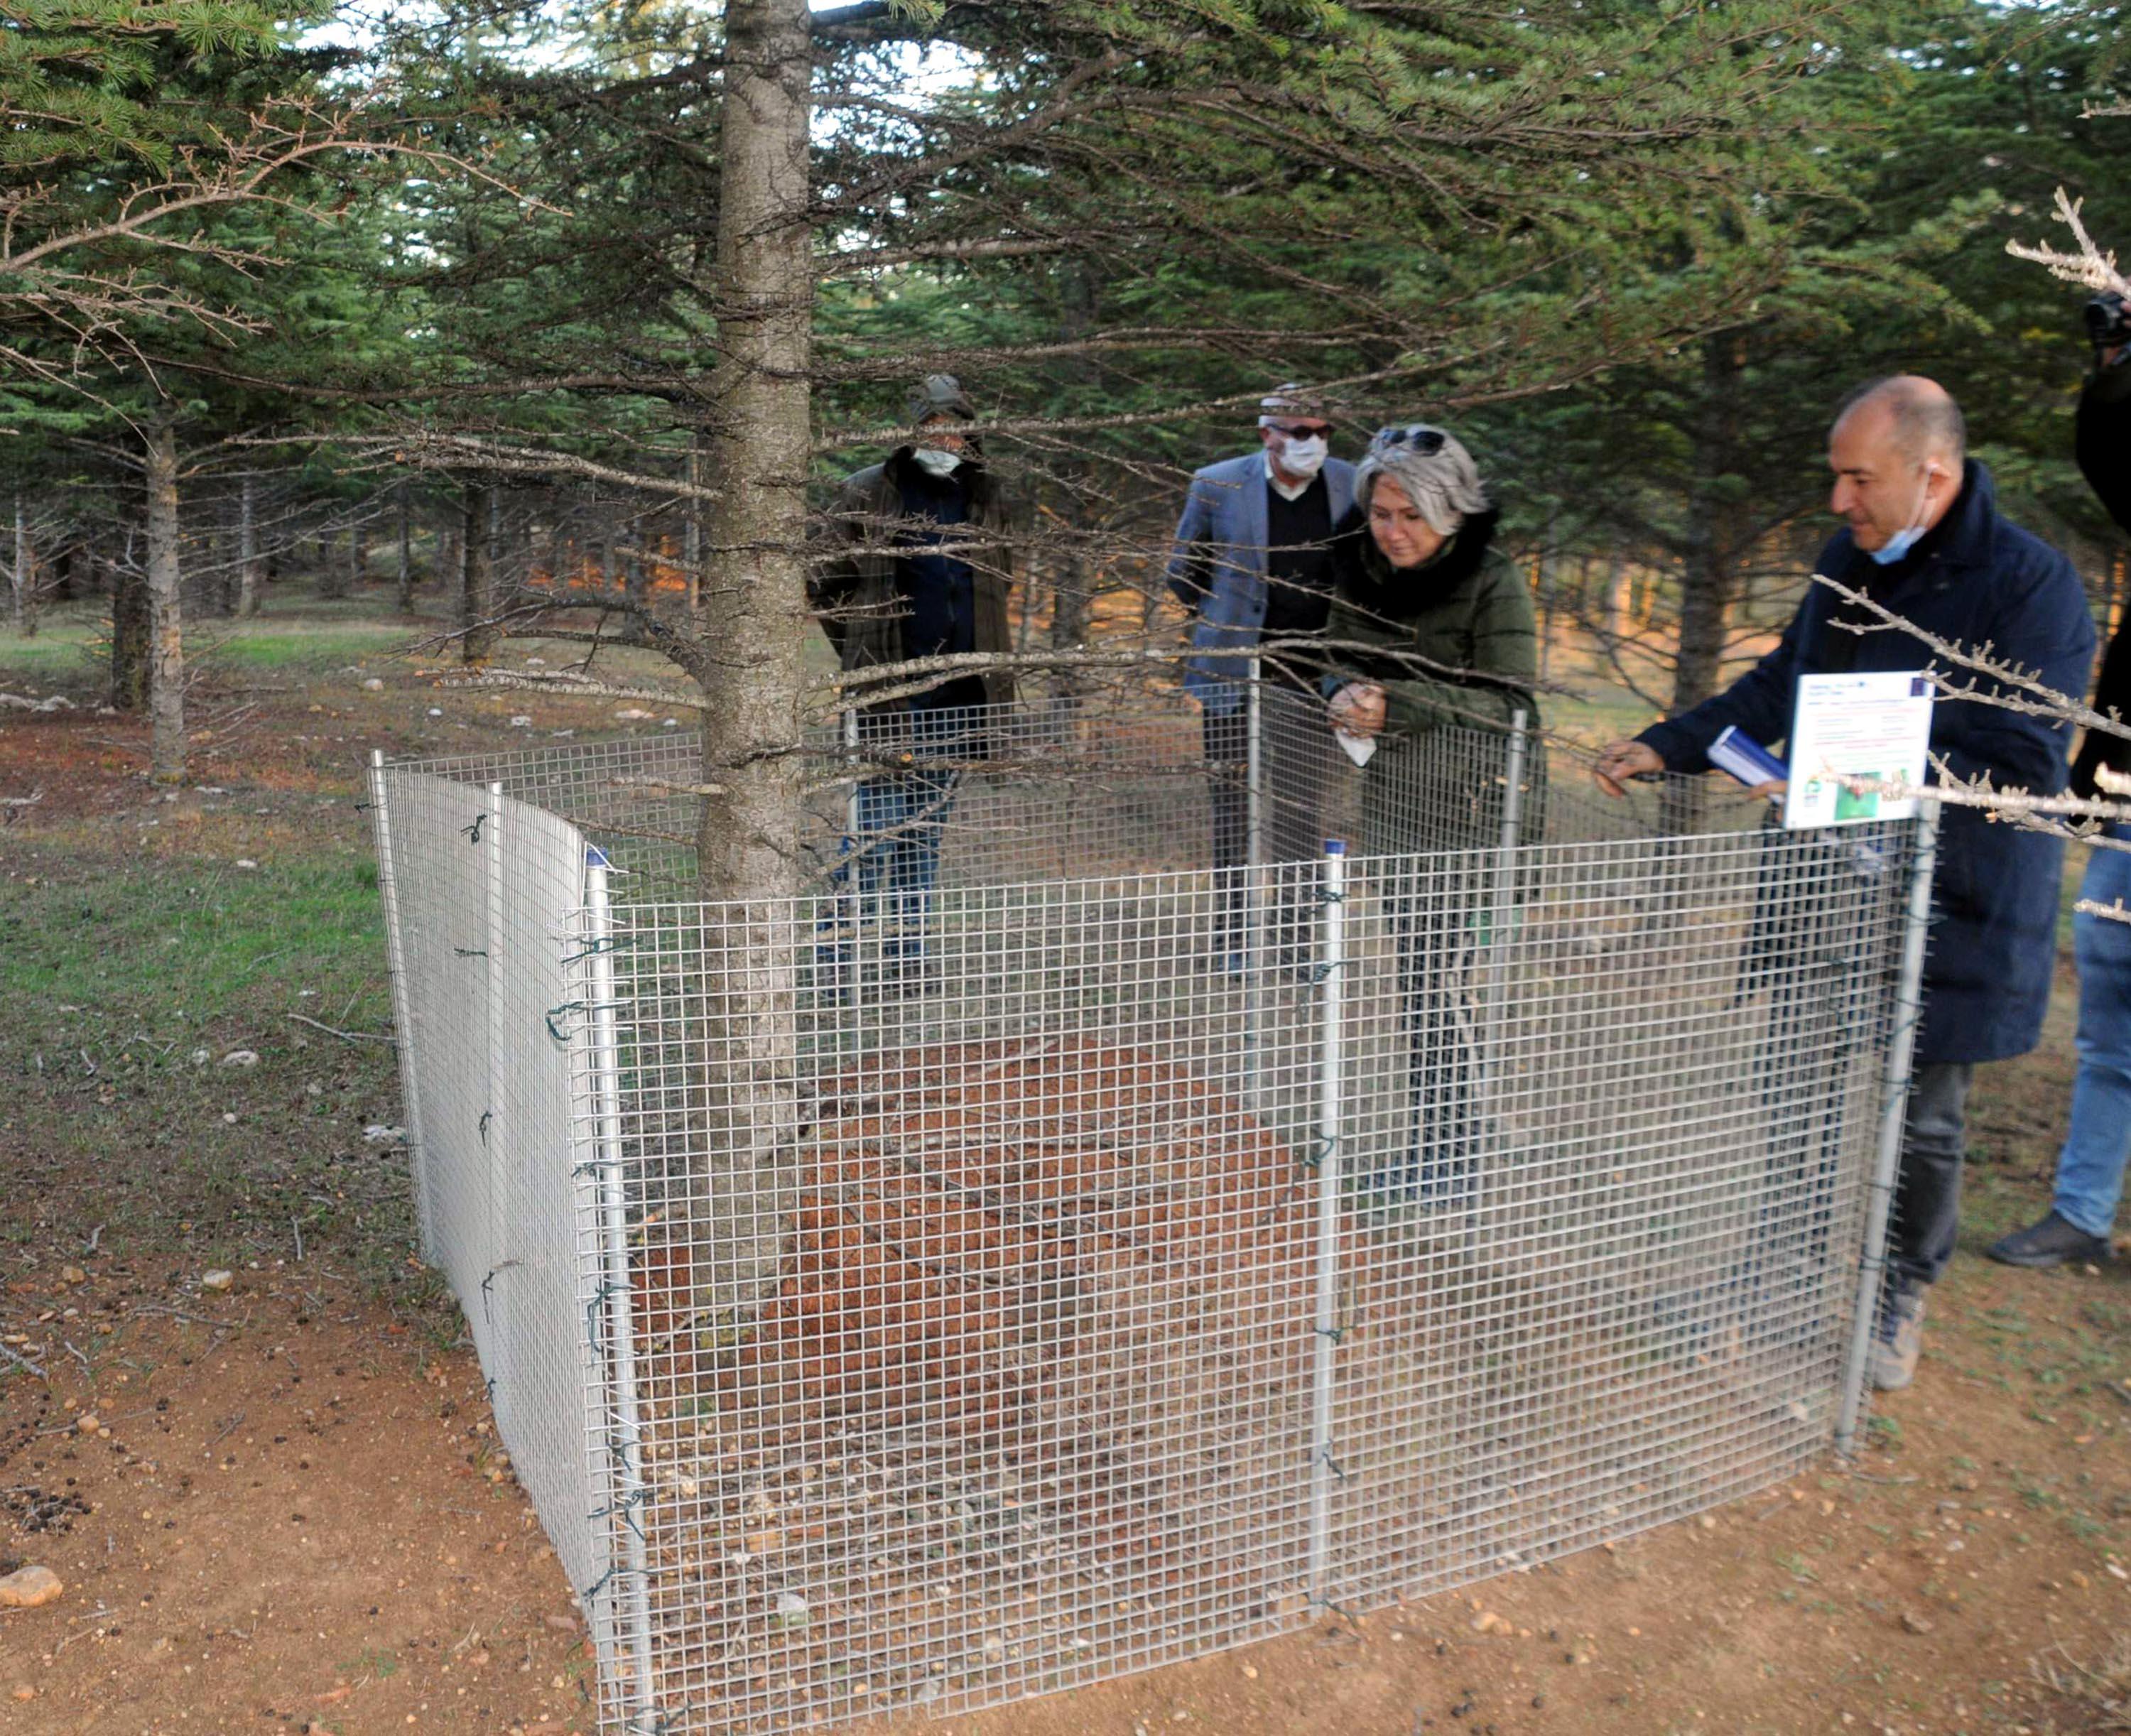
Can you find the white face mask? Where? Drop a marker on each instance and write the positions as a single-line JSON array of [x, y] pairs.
[[936, 461], [1303, 457]]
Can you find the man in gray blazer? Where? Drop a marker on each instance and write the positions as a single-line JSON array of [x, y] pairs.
[[1252, 563]]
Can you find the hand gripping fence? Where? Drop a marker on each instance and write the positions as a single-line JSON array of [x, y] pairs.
[[1098, 1223]]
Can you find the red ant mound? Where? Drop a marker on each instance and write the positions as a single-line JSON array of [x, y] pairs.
[[1002, 1235]]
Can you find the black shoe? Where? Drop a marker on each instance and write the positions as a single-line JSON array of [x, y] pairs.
[[2055, 1241]]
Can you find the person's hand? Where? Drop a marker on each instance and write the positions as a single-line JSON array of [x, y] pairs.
[[1775, 789], [1357, 709], [1623, 760]]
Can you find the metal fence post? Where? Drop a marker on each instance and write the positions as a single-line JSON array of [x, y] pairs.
[[1254, 856], [849, 972], [1501, 901], [1513, 795], [1331, 970], [625, 1436], [1893, 1113], [493, 1125], [402, 1020]]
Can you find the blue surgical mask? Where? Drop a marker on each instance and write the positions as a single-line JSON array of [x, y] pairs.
[[1905, 539], [1896, 545]]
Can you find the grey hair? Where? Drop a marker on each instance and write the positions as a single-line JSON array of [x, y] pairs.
[[1926, 421], [1444, 484]]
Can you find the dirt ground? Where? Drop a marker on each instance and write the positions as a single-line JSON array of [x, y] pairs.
[[282, 1504]]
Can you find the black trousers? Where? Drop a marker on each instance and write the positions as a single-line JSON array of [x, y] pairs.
[[1927, 1193], [1292, 802]]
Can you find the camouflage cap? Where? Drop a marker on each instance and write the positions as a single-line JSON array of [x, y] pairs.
[[1305, 402], [939, 394]]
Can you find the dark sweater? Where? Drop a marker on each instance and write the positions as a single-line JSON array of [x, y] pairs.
[[1298, 560]]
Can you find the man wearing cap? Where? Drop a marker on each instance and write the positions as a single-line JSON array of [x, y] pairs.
[[923, 567], [1252, 563]]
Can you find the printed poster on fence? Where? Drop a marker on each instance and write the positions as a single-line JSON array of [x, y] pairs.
[[1853, 728]]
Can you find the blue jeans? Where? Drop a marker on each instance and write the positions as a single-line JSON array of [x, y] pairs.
[[896, 853], [2090, 1168]]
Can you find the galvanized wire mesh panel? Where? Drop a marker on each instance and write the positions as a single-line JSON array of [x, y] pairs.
[[630, 794], [1609, 1118], [970, 1317], [1045, 788], [439, 876], [986, 1275], [1062, 787], [1018, 1296]]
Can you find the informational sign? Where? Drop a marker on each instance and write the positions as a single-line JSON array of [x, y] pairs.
[[1850, 729]]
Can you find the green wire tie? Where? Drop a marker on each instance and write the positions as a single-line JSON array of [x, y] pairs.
[[561, 1036], [605, 944]]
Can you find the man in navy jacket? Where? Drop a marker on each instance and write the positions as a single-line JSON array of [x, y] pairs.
[[1925, 541]]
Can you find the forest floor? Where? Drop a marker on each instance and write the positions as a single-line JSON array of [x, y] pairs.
[[282, 1505]]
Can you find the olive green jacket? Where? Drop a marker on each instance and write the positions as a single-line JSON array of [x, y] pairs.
[[1466, 616]]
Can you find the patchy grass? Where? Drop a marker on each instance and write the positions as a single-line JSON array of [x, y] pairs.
[[2094, 1695], [126, 983], [173, 947]]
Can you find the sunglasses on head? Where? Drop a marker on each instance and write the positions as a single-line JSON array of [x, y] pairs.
[[1422, 438]]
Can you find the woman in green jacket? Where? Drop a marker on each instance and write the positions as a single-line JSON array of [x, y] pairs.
[[1431, 631], [1433, 651]]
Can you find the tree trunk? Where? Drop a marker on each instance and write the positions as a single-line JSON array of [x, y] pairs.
[[477, 577], [451, 557], [166, 649], [505, 560], [694, 544], [222, 562], [749, 843], [358, 556], [23, 586], [1709, 574], [332, 571], [1543, 583], [635, 590], [1071, 589], [406, 574], [248, 548], [129, 636], [748, 655]]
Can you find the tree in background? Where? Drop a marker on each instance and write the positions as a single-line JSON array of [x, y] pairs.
[[164, 162], [1118, 225], [1701, 475]]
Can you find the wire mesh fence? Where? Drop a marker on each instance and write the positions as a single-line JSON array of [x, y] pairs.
[[1067, 786], [960, 1283]]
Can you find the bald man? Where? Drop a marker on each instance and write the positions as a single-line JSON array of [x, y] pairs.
[[1923, 538]]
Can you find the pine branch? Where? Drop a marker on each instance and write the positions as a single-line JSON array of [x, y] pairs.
[[2090, 266], [2045, 701]]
